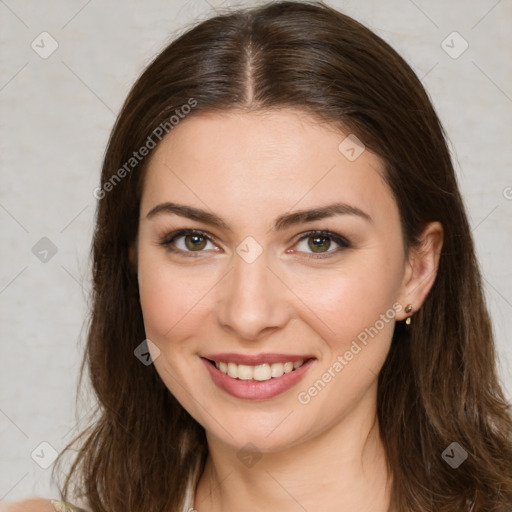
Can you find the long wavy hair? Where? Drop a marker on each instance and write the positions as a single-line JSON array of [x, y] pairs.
[[439, 382]]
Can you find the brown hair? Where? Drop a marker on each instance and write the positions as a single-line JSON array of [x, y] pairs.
[[438, 384]]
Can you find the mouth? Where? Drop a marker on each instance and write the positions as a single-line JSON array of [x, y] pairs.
[[256, 377]]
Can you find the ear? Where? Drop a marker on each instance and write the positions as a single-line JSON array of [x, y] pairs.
[[421, 269]]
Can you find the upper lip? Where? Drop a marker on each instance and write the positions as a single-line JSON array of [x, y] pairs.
[[253, 360]]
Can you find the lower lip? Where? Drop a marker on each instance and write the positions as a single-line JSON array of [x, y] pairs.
[[254, 389]]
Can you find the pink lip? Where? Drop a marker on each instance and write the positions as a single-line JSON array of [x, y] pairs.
[[253, 389], [230, 357]]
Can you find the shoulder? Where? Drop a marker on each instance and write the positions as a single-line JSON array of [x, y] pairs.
[[38, 505], [28, 505]]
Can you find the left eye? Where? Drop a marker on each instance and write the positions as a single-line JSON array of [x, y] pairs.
[[319, 243]]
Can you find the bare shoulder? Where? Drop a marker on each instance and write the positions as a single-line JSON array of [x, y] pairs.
[[28, 505]]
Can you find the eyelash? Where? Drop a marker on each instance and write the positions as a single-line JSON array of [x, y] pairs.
[[342, 242]]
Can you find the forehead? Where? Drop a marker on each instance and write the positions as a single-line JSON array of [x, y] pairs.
[[240, 161]]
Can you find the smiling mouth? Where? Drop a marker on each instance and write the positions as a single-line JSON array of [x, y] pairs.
[[259, 372]]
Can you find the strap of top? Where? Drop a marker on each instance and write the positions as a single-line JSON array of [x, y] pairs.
[[63, 506]]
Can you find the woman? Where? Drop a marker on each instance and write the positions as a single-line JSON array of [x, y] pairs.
[[287, 309]]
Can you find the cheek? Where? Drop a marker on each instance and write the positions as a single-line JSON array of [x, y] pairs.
[[168, 295], [350, 298], [170, 301], [355, 318]]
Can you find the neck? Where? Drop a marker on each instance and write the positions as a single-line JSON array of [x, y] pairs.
[[343, 469]]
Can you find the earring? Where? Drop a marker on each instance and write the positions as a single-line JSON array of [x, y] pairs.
[[408, 309]]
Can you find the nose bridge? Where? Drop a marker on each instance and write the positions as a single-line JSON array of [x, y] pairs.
[[253, 298]]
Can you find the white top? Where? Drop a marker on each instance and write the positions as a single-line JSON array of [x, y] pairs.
[[62, 506], [190, 492], [189, 497]]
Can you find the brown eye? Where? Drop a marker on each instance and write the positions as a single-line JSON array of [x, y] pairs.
[[195, 242], [319, 243], [187, 242]]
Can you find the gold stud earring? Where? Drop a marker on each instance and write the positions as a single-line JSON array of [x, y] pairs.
[[408, 309]]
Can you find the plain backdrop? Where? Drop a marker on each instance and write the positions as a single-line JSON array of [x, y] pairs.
[[57, 110]]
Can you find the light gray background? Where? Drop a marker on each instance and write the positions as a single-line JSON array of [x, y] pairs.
[[57, 114]]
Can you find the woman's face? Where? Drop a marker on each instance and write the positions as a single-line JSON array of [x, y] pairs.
[[252, 287]]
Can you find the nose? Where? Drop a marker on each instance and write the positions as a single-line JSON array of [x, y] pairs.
[[254, 301]]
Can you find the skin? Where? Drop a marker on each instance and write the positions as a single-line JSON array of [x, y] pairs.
[[250, 168]]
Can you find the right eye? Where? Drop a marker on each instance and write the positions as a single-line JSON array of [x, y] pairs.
[[187, 241]]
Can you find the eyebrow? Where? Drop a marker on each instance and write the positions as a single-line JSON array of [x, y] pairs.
[[282, 222]]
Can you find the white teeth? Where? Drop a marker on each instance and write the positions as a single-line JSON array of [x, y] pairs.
[[260, 372], [276, 369], [288, 367], [233, 370], [244, 372]]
